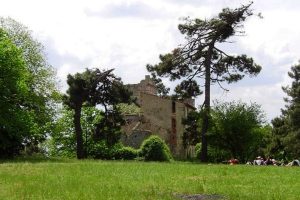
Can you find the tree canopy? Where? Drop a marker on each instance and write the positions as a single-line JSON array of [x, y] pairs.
[[41, 79], [15, 120], [96, 87], [237, 128]]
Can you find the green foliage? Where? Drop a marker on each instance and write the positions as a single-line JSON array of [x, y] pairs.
[[40, 81], [109, 127], [192, 125], [217, 155], [16, 120], [126, 153], [198, 150], [100, 150], [155, 149], [96, 87], [237, 128], [62, 141], [129, 108]]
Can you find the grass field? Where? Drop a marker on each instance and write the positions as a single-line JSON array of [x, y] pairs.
[[72, 179]]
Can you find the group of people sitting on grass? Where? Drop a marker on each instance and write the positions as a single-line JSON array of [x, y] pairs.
[[261, 161], [269, 161]]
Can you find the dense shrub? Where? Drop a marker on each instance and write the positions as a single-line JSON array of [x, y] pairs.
[[155, 149], [101, 150], [217, 155], [214, 154], [237, 128], [126, 153]]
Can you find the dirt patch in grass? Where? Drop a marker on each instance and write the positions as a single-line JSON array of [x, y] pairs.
[[200, 196]]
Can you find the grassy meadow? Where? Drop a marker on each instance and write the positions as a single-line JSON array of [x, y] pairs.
[[89, 179]]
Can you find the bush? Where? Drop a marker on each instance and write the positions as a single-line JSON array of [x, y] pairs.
[[101, 150], [126, 153], [214, 154], [155, 149], [217, 155]]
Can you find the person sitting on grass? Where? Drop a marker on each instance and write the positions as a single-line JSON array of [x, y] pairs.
[[268, 161], [294, 163], [233, 161], [258, 161]]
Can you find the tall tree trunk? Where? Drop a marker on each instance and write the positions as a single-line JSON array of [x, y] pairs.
[[78, 131], [205, 122]]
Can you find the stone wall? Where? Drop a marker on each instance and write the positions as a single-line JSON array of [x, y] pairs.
[[163, 117], [146, 86], [136, 138]]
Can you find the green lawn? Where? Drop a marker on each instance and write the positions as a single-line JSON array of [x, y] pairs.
[[72, 179]]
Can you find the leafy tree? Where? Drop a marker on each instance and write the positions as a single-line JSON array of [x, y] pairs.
[[15, 120], [95, 87], [201, 58], [237, 128], [62, 140], [286, 130], [41, 80]]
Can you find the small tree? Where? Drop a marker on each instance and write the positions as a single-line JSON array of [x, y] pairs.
[[94, 87], [201, 58], [237, 128]]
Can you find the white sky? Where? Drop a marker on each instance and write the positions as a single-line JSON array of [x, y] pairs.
[[128, 34]]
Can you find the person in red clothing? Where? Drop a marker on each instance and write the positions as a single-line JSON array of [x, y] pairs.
[[233, 161]]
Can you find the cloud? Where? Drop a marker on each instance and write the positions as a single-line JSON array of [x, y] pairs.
[[269, 96], [137, 10]]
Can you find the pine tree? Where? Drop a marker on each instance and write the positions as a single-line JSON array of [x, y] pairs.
[[200, 58], [287, 133]]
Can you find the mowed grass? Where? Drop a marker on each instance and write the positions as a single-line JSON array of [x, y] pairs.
[[89, 179]]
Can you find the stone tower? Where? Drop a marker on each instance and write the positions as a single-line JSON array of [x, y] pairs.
[[159, 116]]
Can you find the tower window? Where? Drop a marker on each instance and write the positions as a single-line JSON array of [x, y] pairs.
[[173, 106]]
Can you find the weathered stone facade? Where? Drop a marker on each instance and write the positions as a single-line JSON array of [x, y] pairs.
[[159, 116]]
